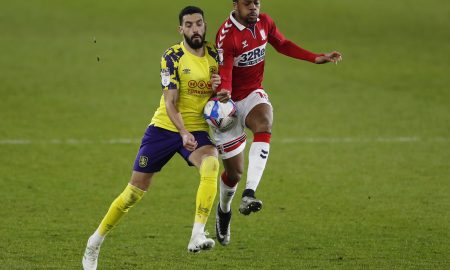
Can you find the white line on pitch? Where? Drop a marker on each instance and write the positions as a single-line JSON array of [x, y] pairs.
[[410, 139], [69, 141], [405, 139]]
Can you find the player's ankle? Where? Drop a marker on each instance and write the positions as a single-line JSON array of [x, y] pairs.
[[248, 193]]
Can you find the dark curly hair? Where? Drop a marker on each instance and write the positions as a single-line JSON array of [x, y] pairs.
[[189, 10]]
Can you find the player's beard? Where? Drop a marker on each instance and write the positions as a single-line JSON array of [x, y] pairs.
[[250, 20], [195, 43]]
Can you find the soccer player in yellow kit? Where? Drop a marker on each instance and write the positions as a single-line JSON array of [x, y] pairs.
[[188, 78]]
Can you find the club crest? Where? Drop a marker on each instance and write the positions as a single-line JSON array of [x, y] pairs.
[[263, 34], [143, 161]]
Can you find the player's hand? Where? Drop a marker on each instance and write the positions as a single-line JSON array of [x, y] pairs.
[[189, 141], [223, 95], [333, 57], [215, 81]]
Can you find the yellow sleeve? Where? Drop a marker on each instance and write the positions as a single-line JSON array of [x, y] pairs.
[[169, 70]]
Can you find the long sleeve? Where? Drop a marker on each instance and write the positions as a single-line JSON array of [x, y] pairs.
[[226, 61]]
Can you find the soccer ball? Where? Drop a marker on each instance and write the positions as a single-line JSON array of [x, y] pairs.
[[219, 115]]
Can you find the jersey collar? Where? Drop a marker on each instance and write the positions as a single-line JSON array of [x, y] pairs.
[[235, 22]]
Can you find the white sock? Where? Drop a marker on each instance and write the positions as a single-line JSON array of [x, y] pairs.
[[257, 158], [226, 196], [96, 239], [198, 228]]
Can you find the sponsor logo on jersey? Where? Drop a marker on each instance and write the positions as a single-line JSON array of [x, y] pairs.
[[199, 84], [199, 88], [252, 57], [196, 92], [165, 77], [202, 84]]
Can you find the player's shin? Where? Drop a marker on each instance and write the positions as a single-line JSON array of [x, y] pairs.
[[258, 155], [127, 199], [206, 193], [227, 191]]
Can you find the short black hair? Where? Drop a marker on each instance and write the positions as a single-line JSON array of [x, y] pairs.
[[189, 10]]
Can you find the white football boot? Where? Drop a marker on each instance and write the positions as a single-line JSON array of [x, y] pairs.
[[90, 257], [249, 205], [200, 242]]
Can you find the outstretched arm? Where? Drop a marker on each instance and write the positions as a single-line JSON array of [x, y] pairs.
[[291, 49]]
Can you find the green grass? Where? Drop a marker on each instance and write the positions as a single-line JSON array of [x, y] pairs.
[[358, 176]]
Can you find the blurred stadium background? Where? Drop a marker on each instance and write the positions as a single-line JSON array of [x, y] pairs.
[[358, 176]]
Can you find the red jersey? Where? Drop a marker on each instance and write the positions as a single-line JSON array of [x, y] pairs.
[[242, 52]]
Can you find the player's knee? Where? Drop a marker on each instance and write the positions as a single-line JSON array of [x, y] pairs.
[[141, 180], [235, 175], [264, 124], [265, 127]]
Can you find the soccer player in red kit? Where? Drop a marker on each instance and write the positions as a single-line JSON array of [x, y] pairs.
[[241, 43]]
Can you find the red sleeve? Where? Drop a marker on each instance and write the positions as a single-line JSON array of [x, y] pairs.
[[226, 58], [287, 47]]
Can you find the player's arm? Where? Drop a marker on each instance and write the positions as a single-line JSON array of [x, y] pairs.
[[226, 61], [171, 100], [170, 82], [289, 48], [223, 95], [215, 81]]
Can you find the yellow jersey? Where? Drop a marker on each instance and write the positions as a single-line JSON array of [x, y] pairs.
[[190, 75]]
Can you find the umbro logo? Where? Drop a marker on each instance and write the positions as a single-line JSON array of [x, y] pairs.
[[264, 154]]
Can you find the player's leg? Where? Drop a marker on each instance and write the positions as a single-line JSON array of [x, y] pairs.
[[205, 159], [154, 144], [231, 145], [259, 120], [229, 180], [130, 196]]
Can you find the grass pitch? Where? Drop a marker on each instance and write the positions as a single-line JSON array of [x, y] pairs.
[[358, 176]]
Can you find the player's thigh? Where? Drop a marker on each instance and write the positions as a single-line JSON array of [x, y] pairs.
[[260, 118], [201, 153], [230, 142], [157, 148]]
